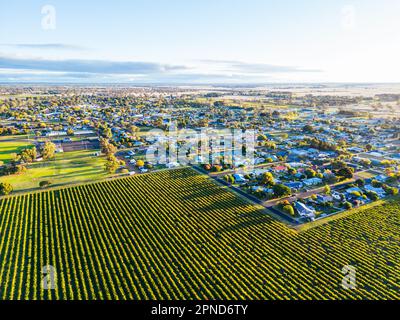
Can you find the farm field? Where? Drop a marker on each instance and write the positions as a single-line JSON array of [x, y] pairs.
[[177, 235], [65, 168]]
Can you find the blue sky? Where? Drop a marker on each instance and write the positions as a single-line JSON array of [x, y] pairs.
[[180, 41]]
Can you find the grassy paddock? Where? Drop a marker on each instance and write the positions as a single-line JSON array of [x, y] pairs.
[[10, 145], [66, 168]]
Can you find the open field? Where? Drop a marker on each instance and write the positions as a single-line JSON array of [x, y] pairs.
[[10, 146], [366, 174], [66, 168], [176, 234]]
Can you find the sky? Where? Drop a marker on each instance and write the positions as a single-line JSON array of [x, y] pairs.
[[200, 41]]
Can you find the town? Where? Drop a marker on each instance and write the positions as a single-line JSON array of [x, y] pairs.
[[316, 153]]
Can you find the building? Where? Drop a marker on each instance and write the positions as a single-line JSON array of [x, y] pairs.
[[239, 178], [303, 210], [312, 181]]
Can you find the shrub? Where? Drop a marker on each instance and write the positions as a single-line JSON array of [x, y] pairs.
[[44, 183], [347, 205], [140, 163], [5, 188], [281, 190], [356, 194], [360, 182], [289, 210]]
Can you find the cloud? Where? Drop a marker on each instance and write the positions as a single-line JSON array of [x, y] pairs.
[[255, 68], [52, 46], [88, 66], [104, 71]]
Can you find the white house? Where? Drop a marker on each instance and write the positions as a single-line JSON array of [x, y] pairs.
[[303, 210]]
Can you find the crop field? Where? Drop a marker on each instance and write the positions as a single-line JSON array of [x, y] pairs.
[[177, 235]]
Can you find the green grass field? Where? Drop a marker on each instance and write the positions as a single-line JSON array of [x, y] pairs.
[[10, 145], [366, 174], [66, 168], [176, 234]]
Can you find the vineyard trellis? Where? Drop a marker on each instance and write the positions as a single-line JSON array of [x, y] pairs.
[[177, 235]]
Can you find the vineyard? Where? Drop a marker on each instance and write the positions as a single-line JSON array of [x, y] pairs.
[[177, 235]]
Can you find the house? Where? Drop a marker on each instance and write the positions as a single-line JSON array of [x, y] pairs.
[[303, 210], [297, 165], [355, 149], [299, 153], [59, 149], [172, 165], [294, 185], [280, 168], [379, 191], [337, 195], [262, 189], [312, 182], [83, 132], [322, 198], [239, 178], [259, 161], [353, 189], [55, 133], [381, 178]]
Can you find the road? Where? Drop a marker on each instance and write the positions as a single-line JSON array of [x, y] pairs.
[[240, 170]]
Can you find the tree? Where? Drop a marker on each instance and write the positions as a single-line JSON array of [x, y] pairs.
[[133, 129], [107, 147], [20, 169], [140, 163], [70, 132], [262, 137], [289, 210], [391, 190], [28, 155], [338, 164], [267, 178], [327, 190], [112, 164], [44, 184], [346, 172], [281, 190], [270, 145], [308, 128], [368, 147], [107, 133], [372, 196], [310, 173], [5, 188], [360, 182], [347, 205], [365, 162], [48, 150]]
